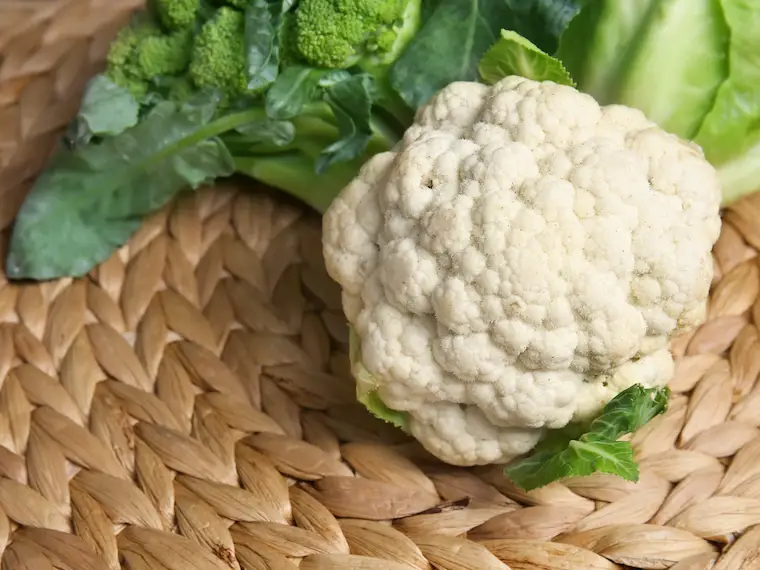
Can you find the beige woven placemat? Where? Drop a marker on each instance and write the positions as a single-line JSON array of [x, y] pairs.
[[188, 407]]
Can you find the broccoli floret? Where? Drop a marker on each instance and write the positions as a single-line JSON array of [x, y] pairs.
[[218, 56], [344, 33], [122, 65], [164, 55], [121, 53], [287, 50], [143, 52], [177, 14]]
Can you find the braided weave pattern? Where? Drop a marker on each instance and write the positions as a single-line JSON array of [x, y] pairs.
[[188, 405], [49, 49]]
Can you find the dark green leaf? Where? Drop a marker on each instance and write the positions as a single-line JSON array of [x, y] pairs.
[[448, 47], [351, 103], [543, 21], [263, 20], [87, 203], [107, 109], [457, 33], [576, 452], [515, 55], [294, 87]]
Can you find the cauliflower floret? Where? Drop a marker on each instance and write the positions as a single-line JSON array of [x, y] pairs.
[[520, 258]]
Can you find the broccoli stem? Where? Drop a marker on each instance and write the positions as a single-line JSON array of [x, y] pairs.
[[291, 167], [294, 173]]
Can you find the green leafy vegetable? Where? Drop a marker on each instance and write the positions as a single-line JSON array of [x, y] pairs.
[[515, 55], [542, 22], [294, 88], [92, 199], [459, 32], [730, 133], [263, 19], [351, 103], [107, 108], [577, 451], [692, 66], [666, 58]]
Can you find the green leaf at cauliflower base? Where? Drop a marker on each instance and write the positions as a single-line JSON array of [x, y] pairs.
[[577, 452], [515, 55], [88, 202], [366, 387]]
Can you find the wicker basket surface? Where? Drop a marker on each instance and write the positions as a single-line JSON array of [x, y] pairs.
[[189, 406]]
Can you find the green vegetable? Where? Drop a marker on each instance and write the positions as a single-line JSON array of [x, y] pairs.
[[692, 66], [329, 83], [577, 451], [514, 55], [218, 54], [730, 131], [175, 14], [366, 388], [339, 34], [459, 32], [107, 109], [93, 198], [299, 93]]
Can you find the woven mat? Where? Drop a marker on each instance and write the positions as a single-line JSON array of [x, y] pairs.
[[188, 406]]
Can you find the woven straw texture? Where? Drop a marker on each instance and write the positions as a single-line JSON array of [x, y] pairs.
[[188, 405], [49, 49]]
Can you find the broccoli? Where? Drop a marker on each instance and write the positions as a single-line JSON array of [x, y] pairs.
[[122, 65], [177, 14], [218, 55], [164, 54], [344, 33]]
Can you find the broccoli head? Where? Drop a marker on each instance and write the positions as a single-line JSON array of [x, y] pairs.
[[344, 33], [143, 52], [164, 55], [218, 55], [122, 65], [177, 14]]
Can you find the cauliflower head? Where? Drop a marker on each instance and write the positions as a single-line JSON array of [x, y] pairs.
[[521, 257]]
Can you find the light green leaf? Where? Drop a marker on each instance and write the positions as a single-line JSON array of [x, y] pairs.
[[578, 452], [730, 133], [515, 55], [664, 57], [366, 387]]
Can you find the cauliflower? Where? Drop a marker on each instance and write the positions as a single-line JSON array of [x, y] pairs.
[[521, 257]]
